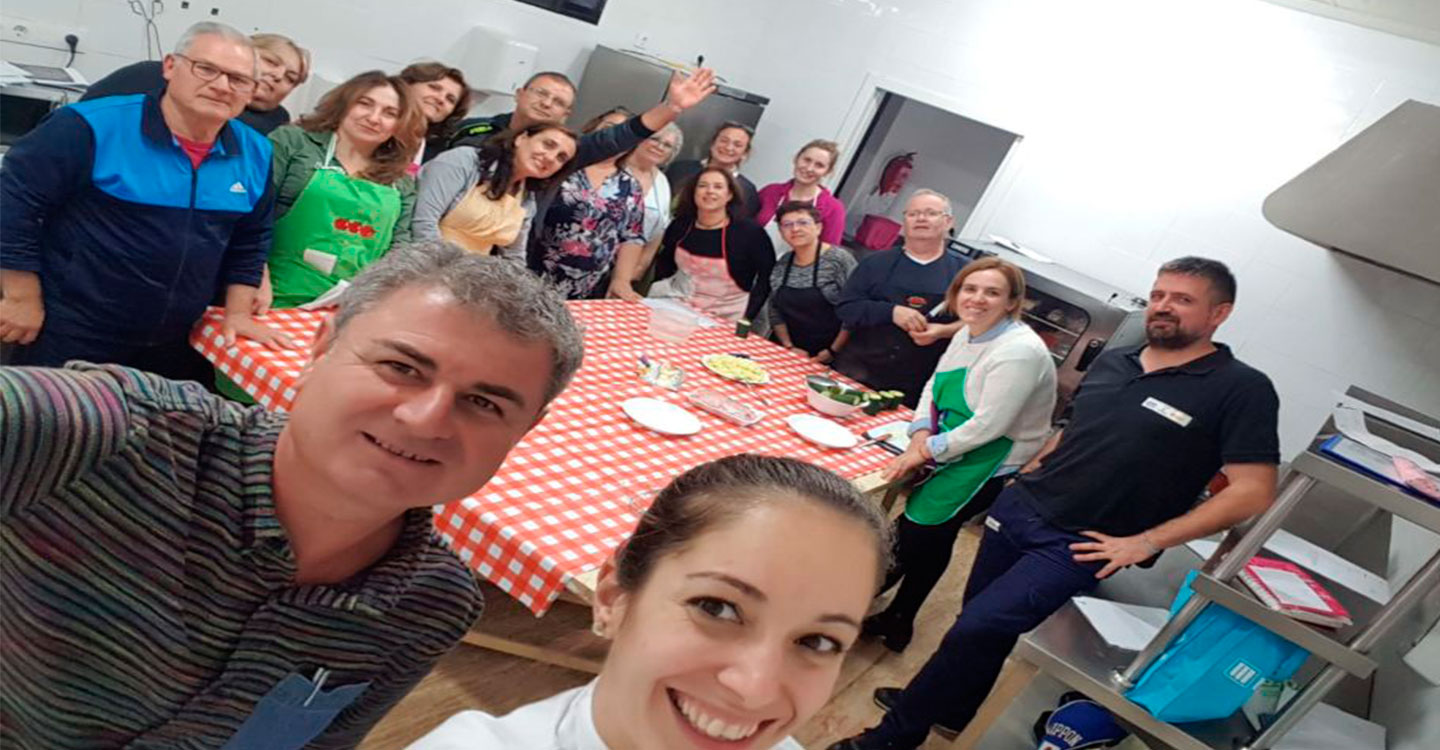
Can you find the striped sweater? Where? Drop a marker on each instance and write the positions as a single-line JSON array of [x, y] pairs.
[[145, 579]]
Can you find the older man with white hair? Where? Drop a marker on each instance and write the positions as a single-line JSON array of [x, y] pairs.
[[893, 303], [121, 218]]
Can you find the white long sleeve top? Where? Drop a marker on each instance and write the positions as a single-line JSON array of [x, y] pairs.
[[1010, 386], [564, 721]]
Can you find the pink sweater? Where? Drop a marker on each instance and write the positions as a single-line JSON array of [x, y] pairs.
[[832, 211]]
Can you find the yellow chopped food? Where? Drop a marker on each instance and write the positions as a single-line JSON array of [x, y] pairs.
[[737, 368]]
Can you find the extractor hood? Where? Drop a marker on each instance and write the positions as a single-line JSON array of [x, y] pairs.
[[1376, 197]]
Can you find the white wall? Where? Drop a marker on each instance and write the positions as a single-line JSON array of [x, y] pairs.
[[1153, 128]]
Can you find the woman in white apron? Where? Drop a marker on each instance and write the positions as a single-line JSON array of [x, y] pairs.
[[634, 273], [715, 261], [727, 628]]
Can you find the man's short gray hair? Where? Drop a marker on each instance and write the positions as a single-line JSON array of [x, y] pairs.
[[502, 290], [927, 191], [211, 28]]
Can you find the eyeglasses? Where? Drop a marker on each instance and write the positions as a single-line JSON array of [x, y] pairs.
[[925, 213], [544, 96], [206, 72], [666, 144], [797, 224]]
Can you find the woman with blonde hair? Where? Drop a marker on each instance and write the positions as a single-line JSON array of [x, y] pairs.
[[342, 195], [813, 163], [983, 414], [282, 65]]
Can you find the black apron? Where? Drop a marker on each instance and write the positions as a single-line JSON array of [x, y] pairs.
[[809, 317], [884, 357]]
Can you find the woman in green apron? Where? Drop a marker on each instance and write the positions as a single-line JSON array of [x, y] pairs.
[[342, 192], [982, 415], [342, 195]]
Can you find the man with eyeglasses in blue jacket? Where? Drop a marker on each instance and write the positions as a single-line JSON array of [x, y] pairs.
[[122, 218]]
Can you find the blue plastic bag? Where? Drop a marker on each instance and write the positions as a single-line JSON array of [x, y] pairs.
[[1210, 670]]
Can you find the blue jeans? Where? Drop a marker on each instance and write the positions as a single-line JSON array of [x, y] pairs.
[[1023, 573]]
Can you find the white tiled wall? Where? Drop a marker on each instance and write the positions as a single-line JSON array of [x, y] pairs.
[[1153, 128]]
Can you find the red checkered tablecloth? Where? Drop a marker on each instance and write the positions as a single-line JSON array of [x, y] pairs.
[[574, 488]]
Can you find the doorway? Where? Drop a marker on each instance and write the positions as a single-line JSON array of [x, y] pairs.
[[909, 144]]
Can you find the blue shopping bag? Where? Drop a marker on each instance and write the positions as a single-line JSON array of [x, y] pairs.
[[1210, 670]]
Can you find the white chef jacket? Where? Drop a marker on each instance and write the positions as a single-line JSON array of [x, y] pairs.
[[561, 722]]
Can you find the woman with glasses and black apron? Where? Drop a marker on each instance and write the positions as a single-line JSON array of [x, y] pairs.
[[806, 284]]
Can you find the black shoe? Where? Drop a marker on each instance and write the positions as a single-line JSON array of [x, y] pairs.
[[887, 697], [894, 634]]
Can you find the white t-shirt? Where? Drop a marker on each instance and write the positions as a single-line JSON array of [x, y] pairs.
[[657, 207], [561, 722]]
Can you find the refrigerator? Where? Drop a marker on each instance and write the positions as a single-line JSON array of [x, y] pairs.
[[619, 78], [1077, 316]]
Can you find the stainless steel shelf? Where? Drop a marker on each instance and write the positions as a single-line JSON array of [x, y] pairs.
[[1373, 491], [1067, 648], [1296, 632]]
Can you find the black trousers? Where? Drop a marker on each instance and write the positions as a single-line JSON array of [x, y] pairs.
[[922, 553], [175, 360]]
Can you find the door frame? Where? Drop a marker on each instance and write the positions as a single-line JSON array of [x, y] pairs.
[[866, 105]]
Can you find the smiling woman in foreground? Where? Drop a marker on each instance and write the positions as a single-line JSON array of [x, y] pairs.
[[728, 628]]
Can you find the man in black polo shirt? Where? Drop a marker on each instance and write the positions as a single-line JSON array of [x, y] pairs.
[[1148, 429]]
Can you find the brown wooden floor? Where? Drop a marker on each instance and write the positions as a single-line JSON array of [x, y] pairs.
[[477, 678]]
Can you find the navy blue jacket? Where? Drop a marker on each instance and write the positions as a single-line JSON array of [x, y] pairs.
[[130, 241]]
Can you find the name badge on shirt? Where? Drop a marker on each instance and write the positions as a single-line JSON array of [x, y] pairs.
[[1167, 411]]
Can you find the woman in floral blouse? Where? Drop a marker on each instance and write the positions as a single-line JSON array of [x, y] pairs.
[[599, 210]]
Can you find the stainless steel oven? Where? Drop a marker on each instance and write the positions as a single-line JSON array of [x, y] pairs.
[[1077, 316]]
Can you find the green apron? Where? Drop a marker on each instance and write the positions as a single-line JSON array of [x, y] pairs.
[[337, 221], [338, 225], [952, 485]]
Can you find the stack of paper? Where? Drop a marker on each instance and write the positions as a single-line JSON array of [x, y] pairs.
[[1126, 626]]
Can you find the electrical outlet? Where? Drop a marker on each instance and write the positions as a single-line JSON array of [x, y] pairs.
[[38, 34]]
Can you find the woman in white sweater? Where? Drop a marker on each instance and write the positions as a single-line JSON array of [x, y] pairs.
[[727, 626], [982, 415]]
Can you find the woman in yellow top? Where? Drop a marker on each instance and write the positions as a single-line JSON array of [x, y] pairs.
[[481, 198], [342, 196]]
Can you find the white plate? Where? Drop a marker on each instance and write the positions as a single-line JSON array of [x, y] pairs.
[[822, 431], [709, 362], [661, 416]]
